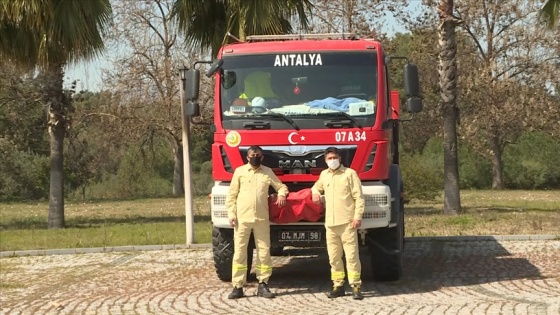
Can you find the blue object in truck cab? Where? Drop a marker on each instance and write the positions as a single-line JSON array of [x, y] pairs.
[[342, 105]]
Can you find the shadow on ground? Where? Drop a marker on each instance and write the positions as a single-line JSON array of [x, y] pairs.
[[428, 266]]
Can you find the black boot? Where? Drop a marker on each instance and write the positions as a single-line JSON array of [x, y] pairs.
[[264, 292], [356, 293], [236, 293], [336, 292]]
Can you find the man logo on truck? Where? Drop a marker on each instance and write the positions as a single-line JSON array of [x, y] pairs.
[[288, 164]]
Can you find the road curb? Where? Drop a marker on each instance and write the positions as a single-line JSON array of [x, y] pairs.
[[114, 249], [89, 250], [478, 238]]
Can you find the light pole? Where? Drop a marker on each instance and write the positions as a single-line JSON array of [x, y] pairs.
[[187, 178]]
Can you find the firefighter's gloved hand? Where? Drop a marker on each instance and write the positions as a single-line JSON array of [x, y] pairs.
[[316, 199], [281, 201]]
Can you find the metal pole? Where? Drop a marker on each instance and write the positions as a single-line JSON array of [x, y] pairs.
[[187, 178]]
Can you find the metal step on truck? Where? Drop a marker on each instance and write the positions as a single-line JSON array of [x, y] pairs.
[[294, 96]]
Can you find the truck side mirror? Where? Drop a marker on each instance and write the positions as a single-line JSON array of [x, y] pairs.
[[414, 105], [192, 79], [192, 109], [216, 65], [411, 80]]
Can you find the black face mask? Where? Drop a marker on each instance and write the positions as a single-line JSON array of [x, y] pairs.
[[255, 161]]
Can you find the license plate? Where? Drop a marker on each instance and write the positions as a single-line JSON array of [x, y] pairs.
[[238, 109], [299, 236]]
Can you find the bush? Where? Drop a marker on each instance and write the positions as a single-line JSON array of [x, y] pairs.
[[23, 175], [203, 180], [532, 163], [136, 177], [121, 187], [421, 182], [475, 170]]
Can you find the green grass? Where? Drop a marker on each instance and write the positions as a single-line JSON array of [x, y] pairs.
[[488, 212], [23, 226], [104, 235]]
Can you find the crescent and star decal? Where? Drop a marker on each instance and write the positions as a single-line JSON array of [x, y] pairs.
[[291, 138], [233, 138]]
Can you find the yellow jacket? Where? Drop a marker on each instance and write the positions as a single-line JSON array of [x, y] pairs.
[[247, 198], [258, 83], [344, 200]]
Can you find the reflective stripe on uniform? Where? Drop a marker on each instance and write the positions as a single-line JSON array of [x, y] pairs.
[[337, 275], [354, 275], [236, 267], [263, 267]]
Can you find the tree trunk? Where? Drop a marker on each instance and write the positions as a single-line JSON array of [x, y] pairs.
[[57, 124], [242, 23], [497, 166], [448, 102], [56, 200], [178, 188]]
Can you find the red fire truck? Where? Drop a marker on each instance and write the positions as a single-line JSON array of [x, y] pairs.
[[294, 96]]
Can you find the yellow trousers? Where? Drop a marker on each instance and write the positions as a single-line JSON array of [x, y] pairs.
[[343, 239], [263, 265]]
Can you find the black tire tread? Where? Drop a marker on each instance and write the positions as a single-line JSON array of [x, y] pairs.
[[222, 250], [386, 245]]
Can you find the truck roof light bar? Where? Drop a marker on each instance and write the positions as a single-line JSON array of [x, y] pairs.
[[256, 38]]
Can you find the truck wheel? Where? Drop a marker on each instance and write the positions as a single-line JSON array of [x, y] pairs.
[[386, 246], [222, 248], [276, 250]]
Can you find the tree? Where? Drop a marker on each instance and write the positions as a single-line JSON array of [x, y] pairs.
[[49, 34], [512, 53], [362, 17], [23, 142], [550, 12], [448, 85], [420, 47], [90, 148], [144, 77], [206, 24]]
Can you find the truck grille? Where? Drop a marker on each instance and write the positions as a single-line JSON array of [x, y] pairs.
[[219, 206], [220, 214], [376, 200], [219, 200], [374, 215]]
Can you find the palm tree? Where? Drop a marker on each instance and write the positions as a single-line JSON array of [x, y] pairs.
[[47, 35], [550, 12], [206, 24], [448, 92]]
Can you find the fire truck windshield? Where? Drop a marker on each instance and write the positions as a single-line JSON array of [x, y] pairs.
[[305, 87]]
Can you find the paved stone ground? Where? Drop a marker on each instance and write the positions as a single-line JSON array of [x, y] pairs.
[[441, 277]]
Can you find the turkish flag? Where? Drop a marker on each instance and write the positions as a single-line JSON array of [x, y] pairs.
[[299, 206]]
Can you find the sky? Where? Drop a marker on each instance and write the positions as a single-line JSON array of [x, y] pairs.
[[89, 74]]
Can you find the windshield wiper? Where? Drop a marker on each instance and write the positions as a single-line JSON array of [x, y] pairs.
[[352, 119], [286, 118]]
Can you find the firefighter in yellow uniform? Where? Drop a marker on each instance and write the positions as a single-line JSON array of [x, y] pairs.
[[247, 206], [258, 83], [344, 207]]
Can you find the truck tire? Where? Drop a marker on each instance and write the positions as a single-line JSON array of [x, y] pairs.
[[222, 249], [386, 245], [385, 248]]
